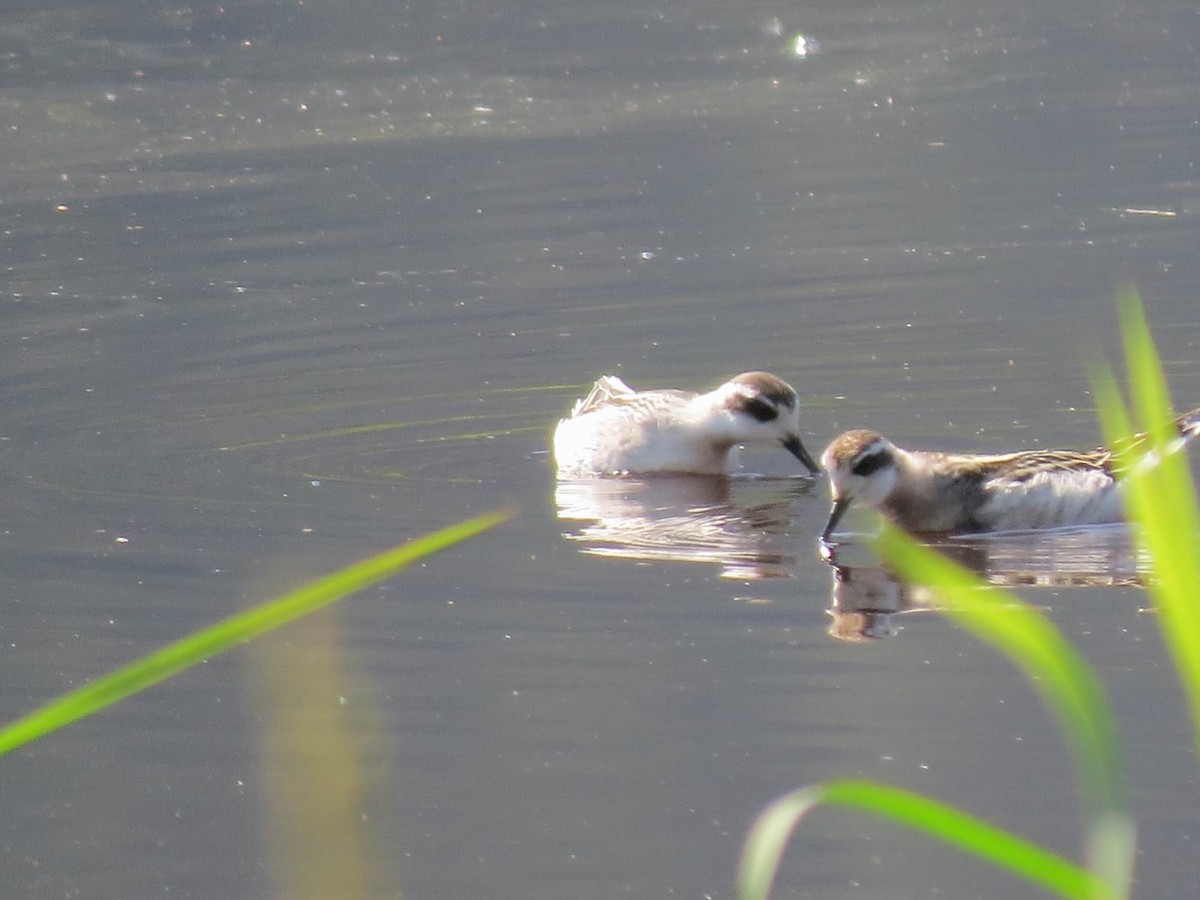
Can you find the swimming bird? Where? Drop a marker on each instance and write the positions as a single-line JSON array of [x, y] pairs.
[[929, 491], [616, 430]]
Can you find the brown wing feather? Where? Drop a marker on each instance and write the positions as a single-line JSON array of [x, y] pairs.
[[1026, 464], [1035, 462], [1187, 426]]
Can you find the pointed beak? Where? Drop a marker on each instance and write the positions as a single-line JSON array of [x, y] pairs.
[[840, 505], [797, 450]]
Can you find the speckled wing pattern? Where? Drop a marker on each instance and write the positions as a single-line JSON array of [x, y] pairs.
[[607, 389], [610, 392], [1030, 463]]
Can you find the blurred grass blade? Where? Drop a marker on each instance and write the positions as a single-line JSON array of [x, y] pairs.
[[218, 638], [1148, 384], [1160, 498], [770, 832], [329, 807], [1064, 679], [1066, 682]]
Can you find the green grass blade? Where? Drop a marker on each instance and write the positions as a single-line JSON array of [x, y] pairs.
[[1174, 507], [208, 642], [1064, 679], [1160, 499], [1148, 384], [771, 831], [1066, 682]]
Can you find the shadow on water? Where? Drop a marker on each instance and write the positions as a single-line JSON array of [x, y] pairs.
[[742, 526], [746, 528], [867, 600]]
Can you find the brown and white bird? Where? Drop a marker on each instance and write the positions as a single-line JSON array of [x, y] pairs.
[[929, 491]]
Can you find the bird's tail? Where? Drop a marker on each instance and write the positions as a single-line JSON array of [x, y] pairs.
[[606, 388], [1188, 425]]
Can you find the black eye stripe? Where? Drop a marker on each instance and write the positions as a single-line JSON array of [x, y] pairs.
[[873, 463], [760, 409], [779, 398]]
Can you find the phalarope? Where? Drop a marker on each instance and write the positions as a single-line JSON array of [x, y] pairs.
[[616, 430], [928, 491]]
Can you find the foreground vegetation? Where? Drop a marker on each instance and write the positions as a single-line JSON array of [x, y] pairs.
[[228, 633], [1161, 502]]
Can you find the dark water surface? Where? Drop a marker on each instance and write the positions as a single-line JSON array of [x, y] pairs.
[[288, 282]]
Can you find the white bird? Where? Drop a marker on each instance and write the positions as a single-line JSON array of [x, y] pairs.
[[929, 491], [616, 430]]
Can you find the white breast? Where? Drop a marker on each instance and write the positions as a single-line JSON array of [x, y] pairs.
[[614, 440]]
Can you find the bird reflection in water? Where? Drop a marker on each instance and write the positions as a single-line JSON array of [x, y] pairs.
[[740, 524], [867, 599]]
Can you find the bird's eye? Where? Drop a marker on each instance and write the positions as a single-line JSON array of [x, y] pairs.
[[869, 464], [760, 410]]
